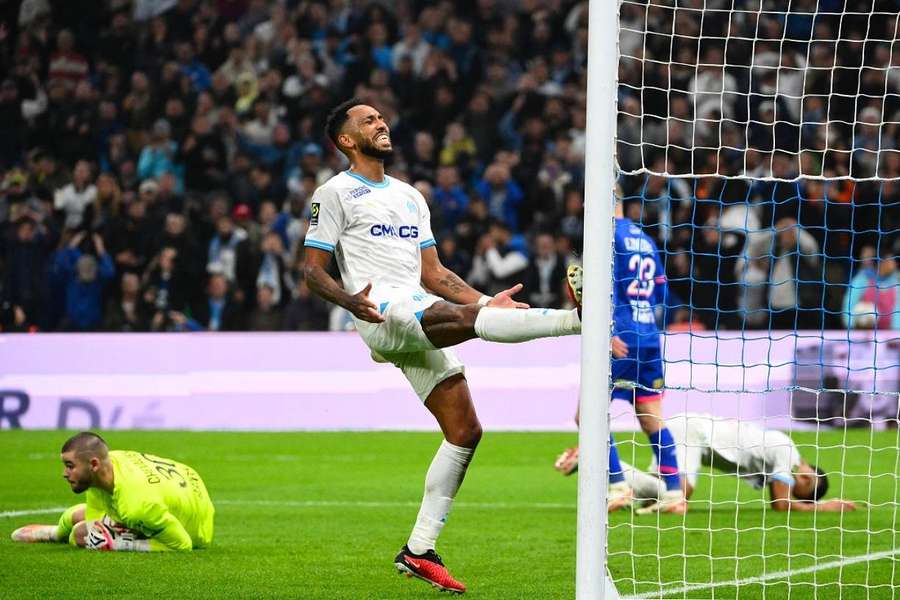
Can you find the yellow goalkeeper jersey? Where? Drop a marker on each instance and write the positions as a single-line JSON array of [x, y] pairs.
[[157, 497]]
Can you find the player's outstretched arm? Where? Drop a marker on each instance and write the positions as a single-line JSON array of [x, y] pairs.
[[781, 500], [323, 285], [443, 282]]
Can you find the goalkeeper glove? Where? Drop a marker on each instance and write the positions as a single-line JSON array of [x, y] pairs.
[[110, 536]]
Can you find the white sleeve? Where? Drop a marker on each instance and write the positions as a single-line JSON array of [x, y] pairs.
[[326, 220], [780, 460], [61, 198], [426, 237], [504, 266]]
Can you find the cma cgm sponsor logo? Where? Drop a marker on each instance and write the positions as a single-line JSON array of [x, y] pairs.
[[356, 193], [404, 231]]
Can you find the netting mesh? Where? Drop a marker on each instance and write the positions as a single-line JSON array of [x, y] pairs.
[[768, 89], [758, 148]]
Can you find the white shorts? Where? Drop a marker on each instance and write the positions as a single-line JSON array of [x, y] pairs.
[[692, 434], [401, 340]]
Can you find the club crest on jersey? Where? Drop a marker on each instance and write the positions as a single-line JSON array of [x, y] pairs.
[[360, 191], [314, 213], [386, 230], [411, 206]]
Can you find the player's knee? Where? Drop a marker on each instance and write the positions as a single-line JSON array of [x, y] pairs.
[[79, 533], [468, 314], [467, 435]]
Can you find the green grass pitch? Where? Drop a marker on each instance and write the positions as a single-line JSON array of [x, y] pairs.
[[321, 515]]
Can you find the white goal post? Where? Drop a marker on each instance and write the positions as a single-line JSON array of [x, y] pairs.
[[758, 143], [592, 582]]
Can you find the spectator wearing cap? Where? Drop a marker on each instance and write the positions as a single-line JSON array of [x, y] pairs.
[[85, 276], [74, 198], [158, 156]]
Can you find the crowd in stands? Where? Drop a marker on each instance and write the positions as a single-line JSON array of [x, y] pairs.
[[158, 156]]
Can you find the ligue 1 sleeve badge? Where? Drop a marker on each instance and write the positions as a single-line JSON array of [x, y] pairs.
[[314, 214]]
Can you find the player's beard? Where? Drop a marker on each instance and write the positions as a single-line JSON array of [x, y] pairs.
[[81, 484], [369, 149]]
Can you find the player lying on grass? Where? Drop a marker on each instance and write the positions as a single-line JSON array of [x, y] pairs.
[[409, 308], [135, 502], [637, 365], [760, 457]]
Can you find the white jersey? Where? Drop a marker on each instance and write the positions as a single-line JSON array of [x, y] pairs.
[[376, 231], [743, 448]]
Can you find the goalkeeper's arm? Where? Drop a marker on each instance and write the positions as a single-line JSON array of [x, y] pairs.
[[166, 534], [781, 500]]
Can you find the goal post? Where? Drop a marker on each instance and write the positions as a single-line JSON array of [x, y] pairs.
[[592, 583], [758, 143]]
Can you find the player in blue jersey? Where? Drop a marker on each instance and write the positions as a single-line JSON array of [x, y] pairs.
[[637, 367]]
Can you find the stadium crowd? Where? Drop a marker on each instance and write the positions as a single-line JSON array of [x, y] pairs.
[[158, 156]]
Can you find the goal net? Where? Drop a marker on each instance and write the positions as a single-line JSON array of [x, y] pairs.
[[758, 145]]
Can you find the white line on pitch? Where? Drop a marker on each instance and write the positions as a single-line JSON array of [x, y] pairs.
[[31, 511], [327, 503], [694, 587], [392, 504]]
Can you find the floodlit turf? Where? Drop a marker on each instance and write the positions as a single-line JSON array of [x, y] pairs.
[[321, 515]]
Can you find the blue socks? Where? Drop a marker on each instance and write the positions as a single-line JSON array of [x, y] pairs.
[[615, 467], [664, 450]]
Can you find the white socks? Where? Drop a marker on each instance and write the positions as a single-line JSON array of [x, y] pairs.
[[513, 325], [644, 485], [441, 483]]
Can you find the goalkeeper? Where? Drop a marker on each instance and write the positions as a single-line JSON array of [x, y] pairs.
[[760, 457], [135, 502]]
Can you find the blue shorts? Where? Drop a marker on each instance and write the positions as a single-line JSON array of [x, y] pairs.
[[639, 376]]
